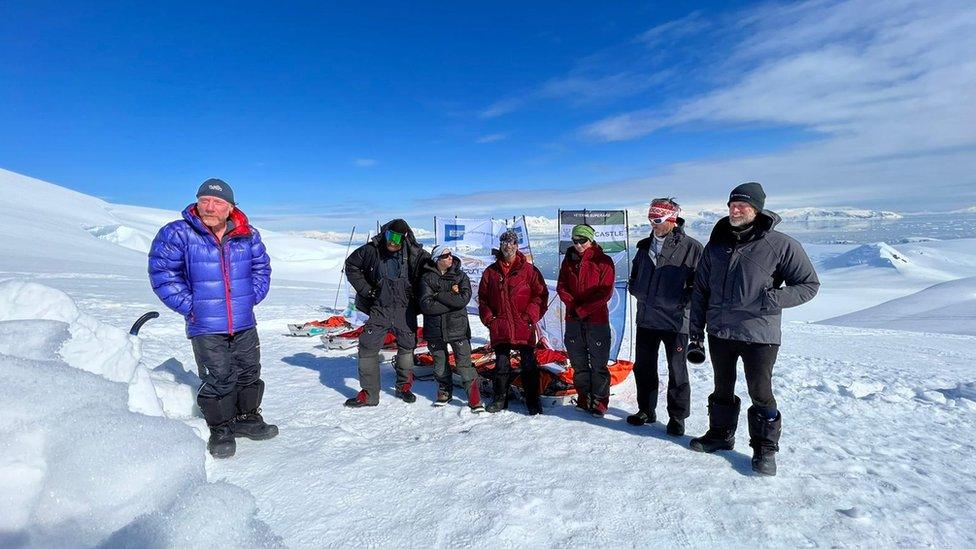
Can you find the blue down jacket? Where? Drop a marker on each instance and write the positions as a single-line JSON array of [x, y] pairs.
[[214, 285]]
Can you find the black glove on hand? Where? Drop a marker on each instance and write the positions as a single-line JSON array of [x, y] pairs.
[[696, 352]]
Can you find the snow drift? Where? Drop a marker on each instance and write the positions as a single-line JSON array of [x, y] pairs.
[[78, 465], [948, 308]]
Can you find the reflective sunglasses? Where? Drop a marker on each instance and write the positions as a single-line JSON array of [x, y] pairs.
[[658, 220], [393, 237], [580, 240]]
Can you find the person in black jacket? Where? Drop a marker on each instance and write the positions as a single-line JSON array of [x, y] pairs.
[[662, 278], [445, 291], [748, 274], [385, 273]]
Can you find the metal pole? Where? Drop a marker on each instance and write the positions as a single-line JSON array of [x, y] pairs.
[[342, 271]]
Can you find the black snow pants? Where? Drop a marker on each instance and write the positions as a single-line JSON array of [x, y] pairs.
[[230, 369], [757, 361], [588, 347]]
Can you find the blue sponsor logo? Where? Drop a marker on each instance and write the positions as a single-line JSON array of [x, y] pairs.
[[453, 232]]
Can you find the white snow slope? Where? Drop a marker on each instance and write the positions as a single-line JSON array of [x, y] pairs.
[[876, 451]]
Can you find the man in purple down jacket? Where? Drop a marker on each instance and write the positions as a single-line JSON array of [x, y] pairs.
[[212, 268]]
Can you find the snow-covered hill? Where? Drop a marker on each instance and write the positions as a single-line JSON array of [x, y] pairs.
[[42, 221], [947, 308], [863, 410]]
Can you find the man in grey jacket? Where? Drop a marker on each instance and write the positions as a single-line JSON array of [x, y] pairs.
[[748, 274], [662, 278]]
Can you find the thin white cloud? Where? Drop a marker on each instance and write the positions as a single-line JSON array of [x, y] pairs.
[[690, 24], [492, 138], [364, 162], [503, 107]]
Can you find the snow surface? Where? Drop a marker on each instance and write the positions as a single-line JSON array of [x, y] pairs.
[[877, 447]]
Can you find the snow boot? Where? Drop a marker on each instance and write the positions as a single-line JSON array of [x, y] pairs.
[[403, 389], [583, 403], [530, 384], [249, 422], [599, 406], [219, 413], [764, 433], [221, 444], [359, 401], [474, 397], [722, 420], [676, 427], [406, 396], [642, 417], [499, 391], [442, 398]]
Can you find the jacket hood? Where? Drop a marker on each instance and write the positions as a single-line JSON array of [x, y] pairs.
[[377, 240]]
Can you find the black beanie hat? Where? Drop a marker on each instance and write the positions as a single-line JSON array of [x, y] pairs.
[[399, 225], [751, 193], [218, 188]]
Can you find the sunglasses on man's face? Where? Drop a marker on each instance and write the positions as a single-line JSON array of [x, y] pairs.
[[659, 220], [580, 240], [393, 237], [443, 257]]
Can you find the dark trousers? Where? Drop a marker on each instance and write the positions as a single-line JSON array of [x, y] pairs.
[[528, 370], [442, 366], [646, 371], [588, 347], [230, 369], [403, 323], [227, 362], [757, 361]]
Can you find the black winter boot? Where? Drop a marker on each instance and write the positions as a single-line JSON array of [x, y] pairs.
[[221, 444], [249, 422], [499, 393], [641, 418], [219, 413], [722, 421], [764, 436], [403, 390], [676, 427], [530, 384], [359, 401]]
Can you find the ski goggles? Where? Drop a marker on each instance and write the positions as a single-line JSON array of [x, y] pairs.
[[393, 237], [580, 240]]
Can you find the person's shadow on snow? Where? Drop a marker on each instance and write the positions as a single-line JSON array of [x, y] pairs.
[[333, 370], [739, 462]]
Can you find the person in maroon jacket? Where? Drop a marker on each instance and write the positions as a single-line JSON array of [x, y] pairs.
[[586, 286], [512, 298]]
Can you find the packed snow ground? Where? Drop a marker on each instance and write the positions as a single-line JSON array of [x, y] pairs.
[[877, 446]]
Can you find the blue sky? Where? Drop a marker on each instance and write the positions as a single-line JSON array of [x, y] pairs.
[[321, 114]]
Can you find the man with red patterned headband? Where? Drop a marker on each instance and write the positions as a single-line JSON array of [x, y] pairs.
[[662, 279]]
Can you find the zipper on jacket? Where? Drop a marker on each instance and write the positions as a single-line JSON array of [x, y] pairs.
[[226, 276]]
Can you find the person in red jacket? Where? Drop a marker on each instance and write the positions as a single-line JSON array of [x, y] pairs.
[[512, 298], [586, 286]]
